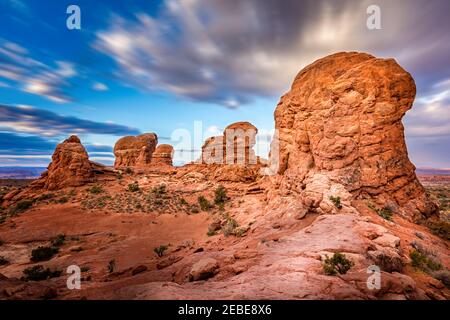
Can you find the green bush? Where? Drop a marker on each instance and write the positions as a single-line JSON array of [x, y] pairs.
[[338, 263], [205, 205], [96, 189], [385, 213], [22, 206], [230, 227], [220, 195], [439, 228], [183, 202], [45, 196], [159, 190], [63, 200], [3, 261], [43, 253], [336, 201], [133, 187], [443, 276], [423, 262], [38, 273], [160, 250], [58, 240]]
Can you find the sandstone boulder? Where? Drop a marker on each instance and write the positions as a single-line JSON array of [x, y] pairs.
[[70, 166], [203, 269], [135, 150], [235, 146], [342, 118], [163, 155]]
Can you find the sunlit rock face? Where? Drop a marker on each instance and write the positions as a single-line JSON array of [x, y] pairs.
[[340, 124], [70, 166]]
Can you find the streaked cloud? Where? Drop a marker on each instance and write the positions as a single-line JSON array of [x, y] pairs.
[[228, 52], [33, 76], [98, 86], [26, 119]]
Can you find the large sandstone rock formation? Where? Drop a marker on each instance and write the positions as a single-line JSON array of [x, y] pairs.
[[135, 151], [340, 133], [235, 146], [70, 166], [163, 155]]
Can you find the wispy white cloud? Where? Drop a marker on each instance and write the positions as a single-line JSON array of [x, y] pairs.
[[33, 76], [98, 86]]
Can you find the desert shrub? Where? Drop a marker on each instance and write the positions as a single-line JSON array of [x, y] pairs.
[[183, 202], [220, 195], [128, 171], [2, 219], [424, 262], [159, 190], [385, 213], [63, 200], [2, 242], [96, 189], [338, 263], [240, 232], [213, 228], [230, 227], [45, 196], [43, 253], [38, 273], [22, 206], [85, 269], [3, 261], [439, 228], [204, 204], [160, 250], [443, 276], [111, 265], [133, 187], [336, 201], [58, 240]]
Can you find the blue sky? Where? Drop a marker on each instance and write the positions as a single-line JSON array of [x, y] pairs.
[[159, 66]]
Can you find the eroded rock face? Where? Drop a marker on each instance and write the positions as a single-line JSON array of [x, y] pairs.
[[70, 166], [163, 155], [342, 120], [135, 151]]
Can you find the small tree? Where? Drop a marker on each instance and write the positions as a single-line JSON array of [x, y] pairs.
[[338, 263], [160, 250], [205, 205], [220, 195], [336, 201]]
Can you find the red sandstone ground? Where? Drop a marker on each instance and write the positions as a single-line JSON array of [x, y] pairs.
[[261, 264]]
